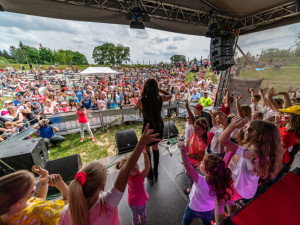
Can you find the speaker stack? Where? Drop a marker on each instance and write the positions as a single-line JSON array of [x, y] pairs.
[[221, 52]]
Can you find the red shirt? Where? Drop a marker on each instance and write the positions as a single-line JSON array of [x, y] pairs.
[[225, 109], [82, 118], [288, 139]]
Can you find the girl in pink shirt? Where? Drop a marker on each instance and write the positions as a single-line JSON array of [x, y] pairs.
[[137, 195], [88, 204]]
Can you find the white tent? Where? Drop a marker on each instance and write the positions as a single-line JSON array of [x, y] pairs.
[[98, 70]]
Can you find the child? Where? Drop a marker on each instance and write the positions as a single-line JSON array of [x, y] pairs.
[[137, 195], [213, 187], [189, 129], [17, 202], [255, 98], [83, 120], [87, 205], [227, 102], [260, 160]]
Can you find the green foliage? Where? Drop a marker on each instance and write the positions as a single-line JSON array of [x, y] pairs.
[[27, 54], [108, 53], [178, 58], [276, 53]]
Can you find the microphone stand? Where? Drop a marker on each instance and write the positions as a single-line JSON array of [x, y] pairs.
[[168, 147]]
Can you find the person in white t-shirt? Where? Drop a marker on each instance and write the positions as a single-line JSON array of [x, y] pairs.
[[214, 186], [261, 160]]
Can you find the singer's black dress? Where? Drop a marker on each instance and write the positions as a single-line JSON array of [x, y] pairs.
[[157, 126]]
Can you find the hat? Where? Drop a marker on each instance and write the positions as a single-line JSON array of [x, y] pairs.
[[35, 103], [69, 93], [18, 94], [7, 102], [199, 106], [63, 103], [295, 109]]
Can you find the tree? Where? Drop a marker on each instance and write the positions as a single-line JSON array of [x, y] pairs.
[[46, 56], [108, 53], [178, 58]]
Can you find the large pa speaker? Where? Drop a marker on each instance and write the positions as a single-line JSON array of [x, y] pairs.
[[173, 130], [67, 167], [24, 154], [126, 140], [221, 52]]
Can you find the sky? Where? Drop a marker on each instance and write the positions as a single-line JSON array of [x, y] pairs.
[[145, 45]]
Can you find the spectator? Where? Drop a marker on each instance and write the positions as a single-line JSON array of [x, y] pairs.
[[205, 100], [46, 131]]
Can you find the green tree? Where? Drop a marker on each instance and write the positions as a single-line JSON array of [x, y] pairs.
[[108, 53], [178, 58], [46, 56]]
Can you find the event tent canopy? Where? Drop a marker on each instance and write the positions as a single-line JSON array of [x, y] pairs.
[[98, 70], [186, 16]]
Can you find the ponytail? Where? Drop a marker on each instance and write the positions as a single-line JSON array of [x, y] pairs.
[[79, 193], [77, 204]]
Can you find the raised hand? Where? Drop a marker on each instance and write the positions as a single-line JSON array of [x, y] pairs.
[[40, 171], [147, 137], [239, 97], [238, 122], [54, 179], [181, 145]]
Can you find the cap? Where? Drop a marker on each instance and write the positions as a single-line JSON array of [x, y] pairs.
[[63, 103], [295, 109], [35, 103], [18, 94], [7, 102], [199, 106]]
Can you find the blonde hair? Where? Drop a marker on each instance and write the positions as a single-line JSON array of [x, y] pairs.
[[268, 150], [8, 123], [95, 178], [13, 188]]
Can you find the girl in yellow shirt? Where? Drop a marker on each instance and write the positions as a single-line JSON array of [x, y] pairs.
[[18, 205]]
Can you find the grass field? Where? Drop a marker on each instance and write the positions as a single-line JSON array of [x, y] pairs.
[[102, 147]]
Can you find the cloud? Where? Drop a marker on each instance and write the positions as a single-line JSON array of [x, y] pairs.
[[151, 53], [171, 47], [178, 38], [78, 40], [160, 40]]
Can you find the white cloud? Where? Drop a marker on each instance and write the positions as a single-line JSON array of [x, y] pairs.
[[148, 44]]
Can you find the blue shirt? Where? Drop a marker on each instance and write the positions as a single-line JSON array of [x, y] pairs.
[[16, 102], [195, 96], [46, 132], [87, 103], [79, 95]]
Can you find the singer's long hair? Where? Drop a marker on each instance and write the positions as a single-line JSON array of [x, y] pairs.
[[151, 102]]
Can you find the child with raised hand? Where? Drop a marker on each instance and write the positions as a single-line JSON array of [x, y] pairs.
[[86, 204], [213, 187], [18, 205], [260, 158], [137, 195]]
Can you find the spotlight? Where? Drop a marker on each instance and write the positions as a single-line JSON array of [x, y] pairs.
[[1, 8]]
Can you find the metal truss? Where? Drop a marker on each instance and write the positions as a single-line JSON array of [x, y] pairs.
[[223, 83], [177, 13]]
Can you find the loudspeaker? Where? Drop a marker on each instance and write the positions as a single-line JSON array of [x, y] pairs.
[[24, 154], [173, 129], [221, 52], [126, 140], [67, 167]]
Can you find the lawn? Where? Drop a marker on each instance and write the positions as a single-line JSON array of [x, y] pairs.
[[103, 146]]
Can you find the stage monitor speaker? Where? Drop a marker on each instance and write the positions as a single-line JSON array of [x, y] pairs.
[[67, 167], [126, 140], [173, 130], [24, 154]]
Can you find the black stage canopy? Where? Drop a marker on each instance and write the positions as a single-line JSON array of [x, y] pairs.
[[185, 16]]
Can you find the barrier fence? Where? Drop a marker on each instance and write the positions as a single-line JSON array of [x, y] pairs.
[[68, 122]]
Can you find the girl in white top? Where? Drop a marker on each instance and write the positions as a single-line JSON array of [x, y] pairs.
[[259, 161], [214, 186]]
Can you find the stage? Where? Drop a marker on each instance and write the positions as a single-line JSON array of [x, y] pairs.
[[167, 201]]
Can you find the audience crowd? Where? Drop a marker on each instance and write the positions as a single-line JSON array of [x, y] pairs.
[[229, 158]]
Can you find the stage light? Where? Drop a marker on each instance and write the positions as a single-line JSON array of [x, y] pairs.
[[137, 15], [1, 8]]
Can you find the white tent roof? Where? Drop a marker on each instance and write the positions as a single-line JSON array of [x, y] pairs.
[[98, 70]]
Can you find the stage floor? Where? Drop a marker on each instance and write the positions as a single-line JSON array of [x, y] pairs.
[[167, 201]]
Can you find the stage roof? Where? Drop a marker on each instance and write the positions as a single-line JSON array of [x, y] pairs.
[[185, 16]]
